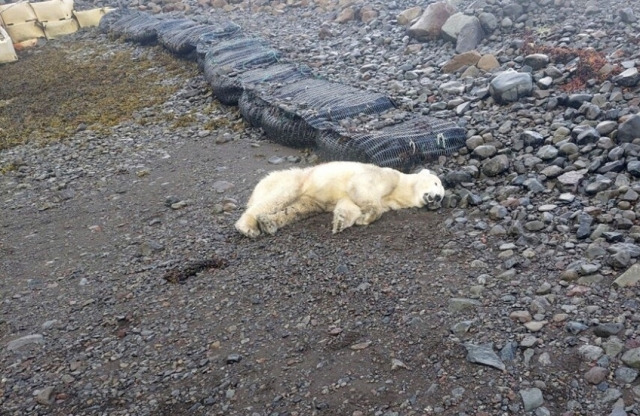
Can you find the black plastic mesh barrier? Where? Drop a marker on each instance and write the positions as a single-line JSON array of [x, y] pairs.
[[297, 111], [228, 86], [223, 62], [107, 22], [160, 29], [116, 22], [141, 29], [209, 40], [183, 42], [402, 146], [251, 107], [287, 102]]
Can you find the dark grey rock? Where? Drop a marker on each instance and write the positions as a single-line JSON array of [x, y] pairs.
[[607, 329], [484, 354], [536, 61], [495, 166], [576, 100], [485, 151], [510, 86], [575, 328], [629, 129], [532, 138]]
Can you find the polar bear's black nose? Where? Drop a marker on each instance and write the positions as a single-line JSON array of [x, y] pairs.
[[431, 198]]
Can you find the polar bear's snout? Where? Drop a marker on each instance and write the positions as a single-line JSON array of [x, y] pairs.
[[431, 198]]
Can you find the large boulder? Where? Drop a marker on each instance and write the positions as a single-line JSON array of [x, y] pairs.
[[454, 24], [470, 36], [429, 26], [509, 86], [409, 15]]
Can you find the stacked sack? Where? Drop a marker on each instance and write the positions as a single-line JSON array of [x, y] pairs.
[[23, 23], [291, 105]]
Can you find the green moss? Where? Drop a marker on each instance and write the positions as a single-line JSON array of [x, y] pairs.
[[54, 89]]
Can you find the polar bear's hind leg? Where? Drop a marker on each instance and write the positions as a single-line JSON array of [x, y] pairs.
[[271, 194], [302, 208]]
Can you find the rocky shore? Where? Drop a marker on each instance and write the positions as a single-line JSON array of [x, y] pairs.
[[519, 297]]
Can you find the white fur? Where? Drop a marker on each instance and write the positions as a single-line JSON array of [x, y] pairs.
[[356, 193]]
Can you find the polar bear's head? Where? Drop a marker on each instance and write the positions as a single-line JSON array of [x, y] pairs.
[[428, 189]]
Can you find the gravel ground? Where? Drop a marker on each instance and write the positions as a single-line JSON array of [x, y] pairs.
[[519, 297]]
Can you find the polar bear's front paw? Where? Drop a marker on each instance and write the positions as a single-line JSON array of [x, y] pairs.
[[246, 229], [338, 224], [267, 225]]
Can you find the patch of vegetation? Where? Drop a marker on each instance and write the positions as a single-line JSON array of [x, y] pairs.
[[54, 89], [590, 64]]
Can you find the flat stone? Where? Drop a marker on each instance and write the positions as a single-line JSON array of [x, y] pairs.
[[461, 60], [629, 278], [461, 304], [16, 344], [484, 354]]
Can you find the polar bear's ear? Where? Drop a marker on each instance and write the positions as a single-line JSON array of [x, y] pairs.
[[425, 171]]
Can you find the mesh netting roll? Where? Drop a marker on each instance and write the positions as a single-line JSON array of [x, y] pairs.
[[251, 107], [401, 146], [208, 41], [291, 106], [144, 28], [116, 22], [222, 63], [108, 22], [228, 87], [184, 41], [298, 110]]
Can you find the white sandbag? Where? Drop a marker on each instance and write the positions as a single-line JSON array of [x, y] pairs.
[[90, 18], [17, 13], [7, 52], [20, 32], [52, 10], [55, 29]]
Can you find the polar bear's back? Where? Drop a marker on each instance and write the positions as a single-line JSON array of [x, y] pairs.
[[335, 180]]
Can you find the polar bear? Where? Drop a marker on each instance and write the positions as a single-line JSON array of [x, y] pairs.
[[356, 193]]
